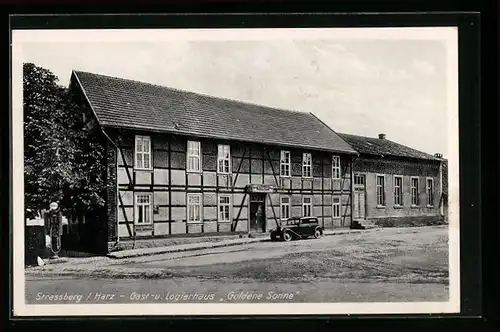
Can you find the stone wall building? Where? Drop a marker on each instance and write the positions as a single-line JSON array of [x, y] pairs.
[[395, 185]]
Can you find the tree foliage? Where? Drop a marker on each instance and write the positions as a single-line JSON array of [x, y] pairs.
[[63, 155]]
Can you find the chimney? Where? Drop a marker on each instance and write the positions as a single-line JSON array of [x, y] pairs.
[[438, 155], [381, 136]]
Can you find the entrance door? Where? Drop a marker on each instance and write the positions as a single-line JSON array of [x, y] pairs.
[[258, 213], [359, 204], [359, 196]]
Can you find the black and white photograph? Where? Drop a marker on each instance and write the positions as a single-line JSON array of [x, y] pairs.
[[235, 171]]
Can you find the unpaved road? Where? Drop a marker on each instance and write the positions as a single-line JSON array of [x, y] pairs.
[[383, 265]]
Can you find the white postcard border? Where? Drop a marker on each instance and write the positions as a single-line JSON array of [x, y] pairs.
[[448, 35]]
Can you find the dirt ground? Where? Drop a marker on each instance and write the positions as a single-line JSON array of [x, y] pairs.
[[390, 264]]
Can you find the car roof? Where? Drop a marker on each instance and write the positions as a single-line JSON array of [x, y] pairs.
[[302, 218]]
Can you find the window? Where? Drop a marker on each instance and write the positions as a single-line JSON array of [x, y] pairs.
[[193, 156], [224, 208], [414, 191], [224, 159], [306, 206], [293, 221], [380, 190], [306, 165], [285, 164], [430, 192], [398, 190], [359, 179], [194, 208], [142, 152], [336, 207], [143, 209], [285, 207], [335, 167], [308, 221]]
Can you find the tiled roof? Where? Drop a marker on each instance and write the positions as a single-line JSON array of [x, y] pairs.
[[383, 147], [137, 105]]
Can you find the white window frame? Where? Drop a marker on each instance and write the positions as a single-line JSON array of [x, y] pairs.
[[360, 176], [149, 211], [306, 165], [223, 159], [427, 191], [285, 164], [412, 187], [304, 205], [287, 205], [225, 205], [400, 188], [142, 153], [189, 205], [190, 154], [336, 207], [336, 168], [377, 185]]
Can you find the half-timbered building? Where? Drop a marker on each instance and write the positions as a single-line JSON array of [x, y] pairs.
[[183, 163]]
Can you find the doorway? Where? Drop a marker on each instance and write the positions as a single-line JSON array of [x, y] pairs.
[[359, 197], [359, 204], [258, 213]]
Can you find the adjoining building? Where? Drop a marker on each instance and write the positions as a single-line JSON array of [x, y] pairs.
[[181, 163], [395, 185]]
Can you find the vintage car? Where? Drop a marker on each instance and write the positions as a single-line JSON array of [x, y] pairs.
[[297, 228]]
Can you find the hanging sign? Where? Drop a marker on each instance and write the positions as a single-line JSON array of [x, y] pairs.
[[260, 188]]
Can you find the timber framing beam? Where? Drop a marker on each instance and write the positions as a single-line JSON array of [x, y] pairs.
[[235, 223], [239, 167], [272, 167], [272, 208], [129, 230]]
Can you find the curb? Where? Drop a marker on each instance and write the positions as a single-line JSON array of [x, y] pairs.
[[169, 250], [209, 245]]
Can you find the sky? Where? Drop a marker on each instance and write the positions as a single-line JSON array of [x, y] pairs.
[[362, 86]]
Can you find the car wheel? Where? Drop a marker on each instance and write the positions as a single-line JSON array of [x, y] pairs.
[[287, 236], [273, 236], [317, 234]]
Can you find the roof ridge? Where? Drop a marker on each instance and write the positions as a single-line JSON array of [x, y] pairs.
[[388, 140], [193, 92], [331, 129]]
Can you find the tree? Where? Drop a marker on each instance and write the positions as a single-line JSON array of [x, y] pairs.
[[63, 162]]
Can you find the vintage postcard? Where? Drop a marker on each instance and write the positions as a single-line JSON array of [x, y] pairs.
[[235, 171]]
